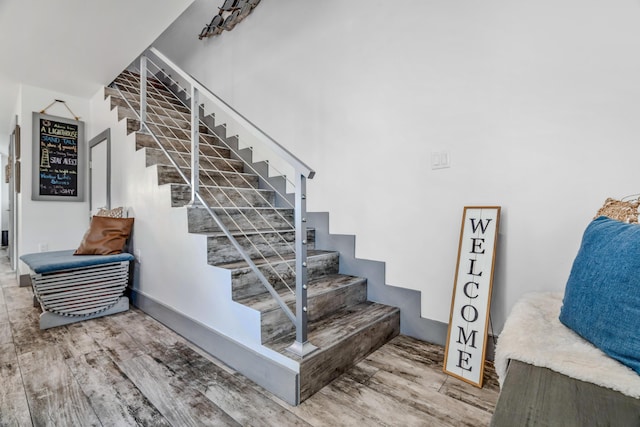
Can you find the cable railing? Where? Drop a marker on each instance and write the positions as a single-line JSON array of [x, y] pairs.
[[226, 189]]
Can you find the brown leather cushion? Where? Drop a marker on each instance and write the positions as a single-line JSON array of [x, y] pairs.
[[105, 236]]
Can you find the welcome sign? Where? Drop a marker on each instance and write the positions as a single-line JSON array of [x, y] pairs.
[[470, 304]]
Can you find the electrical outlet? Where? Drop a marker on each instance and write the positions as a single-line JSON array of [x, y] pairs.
[[43, 247]]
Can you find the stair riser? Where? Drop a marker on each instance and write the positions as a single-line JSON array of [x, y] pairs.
[[173, 122], [244, 282], [144, 140], [168, 106], [126, 113], [167, 101], [155, 87], [169, 175], [214, 197], [118, 101], [220, 251], [175, 109], [158, 157], [276, 324], [171, 132], [167, 125], [132, 126], [200, 221], [182, 137], [320, 370], [117, 98]]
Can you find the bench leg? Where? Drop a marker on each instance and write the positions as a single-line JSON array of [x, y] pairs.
[[51, 320]]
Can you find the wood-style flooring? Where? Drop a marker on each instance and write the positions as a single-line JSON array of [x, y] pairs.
[[128, 369]]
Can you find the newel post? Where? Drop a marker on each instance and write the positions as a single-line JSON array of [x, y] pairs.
[[301, 346], [195, 146], [143, 92]]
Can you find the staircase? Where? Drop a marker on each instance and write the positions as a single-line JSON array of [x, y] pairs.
[[342, 323]]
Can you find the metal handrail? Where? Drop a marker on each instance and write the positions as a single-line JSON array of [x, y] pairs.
[[301, 171]]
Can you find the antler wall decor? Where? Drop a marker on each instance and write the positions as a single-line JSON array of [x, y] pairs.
[[229, 15]]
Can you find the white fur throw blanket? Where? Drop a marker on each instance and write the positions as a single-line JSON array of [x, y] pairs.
[[533, 334]]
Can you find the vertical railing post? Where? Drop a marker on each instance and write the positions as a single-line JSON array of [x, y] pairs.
[[143, 92], [302, 346], [195, 146]]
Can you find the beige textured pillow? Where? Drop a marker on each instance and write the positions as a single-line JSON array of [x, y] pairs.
[[106, 236], [112, 213], [625, 211]]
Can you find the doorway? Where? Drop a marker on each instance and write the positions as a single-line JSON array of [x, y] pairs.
[[14, 188], [100, 172]]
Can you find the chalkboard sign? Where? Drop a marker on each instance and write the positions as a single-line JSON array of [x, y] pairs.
[[58, 159]]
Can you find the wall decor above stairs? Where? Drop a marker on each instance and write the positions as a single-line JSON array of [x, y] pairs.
[[230, 14], [257, 212]]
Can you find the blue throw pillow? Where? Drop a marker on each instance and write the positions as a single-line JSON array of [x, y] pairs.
[[602, 297]]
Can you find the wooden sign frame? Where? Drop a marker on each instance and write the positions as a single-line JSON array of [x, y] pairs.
[[58, 159], [471, 301]]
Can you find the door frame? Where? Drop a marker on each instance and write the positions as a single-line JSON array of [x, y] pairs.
[[103, 136]]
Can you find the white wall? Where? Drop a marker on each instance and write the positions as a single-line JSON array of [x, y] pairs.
[[58, 225], [537, 103], [4, 187], [4, 195]]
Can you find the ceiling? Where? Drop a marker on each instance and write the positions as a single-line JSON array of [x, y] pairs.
[[73, 46]]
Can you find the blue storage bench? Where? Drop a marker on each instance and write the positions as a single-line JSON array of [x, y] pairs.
[[71, 288]]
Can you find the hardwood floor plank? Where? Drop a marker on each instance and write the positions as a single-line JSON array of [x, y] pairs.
[[374, 404], [27, 335], [234, 394], [73, 341], [417, 367], [14, 409], [437, 409], [322, 409], [5, 333], [7, 279], [483, 398], [53, 394], [362, 372], [420, 352], [144, 329], [4, 315], [17, 297], [114, 398], [176, 400], [250, 407]]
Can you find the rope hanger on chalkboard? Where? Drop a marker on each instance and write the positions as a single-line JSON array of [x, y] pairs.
[[65, 104]]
